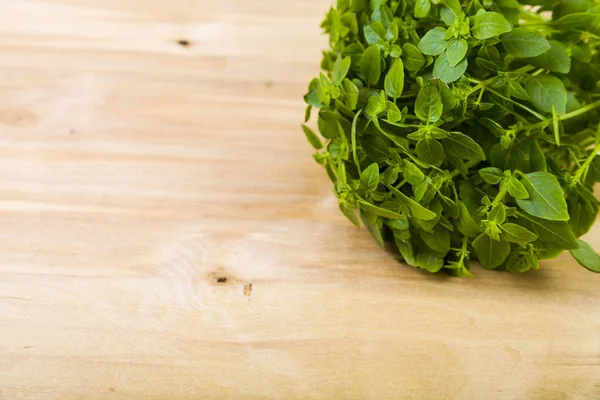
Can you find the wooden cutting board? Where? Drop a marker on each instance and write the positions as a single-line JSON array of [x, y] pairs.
[[165, 233]]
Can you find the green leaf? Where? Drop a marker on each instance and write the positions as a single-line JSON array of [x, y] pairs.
[[370, 65], [491, 175], [406, 250], [524, 42], [412, 173], [428, 106], [340, 70], [490, 253], [587, 257], [450, 15], [382, 212], [444, 71], [393, 113], [547, 91], [374, 32], [517, 234], [449, 99], [429, 261], [369, 179], [350, 214], [422, 8], [516, 90], [394, 80], [412, 57], [417, 210], [463, 147], [556, 59], [433, 43], [498, 214], [546, 197], [312, 137], [400, 224], [520, 262], [456, 51], [375, 106], [465, 223], [581, 20], [559, 234], [351, 95], [490, 24], [373, 224], [438, 240], [516, 189], [430, 151]]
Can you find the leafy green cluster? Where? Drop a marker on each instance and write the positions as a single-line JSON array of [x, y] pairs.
[[463, 130]]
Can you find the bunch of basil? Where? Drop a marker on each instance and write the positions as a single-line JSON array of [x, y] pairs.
[[463, 130]]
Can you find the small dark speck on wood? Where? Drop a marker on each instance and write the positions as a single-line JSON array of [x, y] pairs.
[[222, 279], [184, 43], [248, 290]]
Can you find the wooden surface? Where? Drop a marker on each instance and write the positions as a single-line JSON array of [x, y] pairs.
[[165, 233]]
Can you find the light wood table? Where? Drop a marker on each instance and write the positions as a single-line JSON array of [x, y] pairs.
[[165, 233]]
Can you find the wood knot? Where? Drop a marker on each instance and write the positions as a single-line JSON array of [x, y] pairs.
[[184, 43], [220, 277]]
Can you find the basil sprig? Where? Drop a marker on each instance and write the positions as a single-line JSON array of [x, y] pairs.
[[465, 130]]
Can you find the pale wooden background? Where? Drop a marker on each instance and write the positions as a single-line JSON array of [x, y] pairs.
[[135, 174]]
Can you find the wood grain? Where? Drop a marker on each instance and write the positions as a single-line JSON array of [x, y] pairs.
[[166, 234]]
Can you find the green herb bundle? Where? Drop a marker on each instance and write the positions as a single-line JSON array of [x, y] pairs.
[[463, 130]]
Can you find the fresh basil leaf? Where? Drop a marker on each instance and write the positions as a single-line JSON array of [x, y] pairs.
[[412, 173], [463, 147], [342, 66], [422, 8], [490, 253], [374, 225], [430, 151], [381, 212], [491, 175], [417, 210], [350, 214], [312, 137], [450, 15], [433, 43], [400, 223], [412, 57], [517, 234], [521, 261], [524, 42], [456, 51], [546, 197], [587, 257], [547, 91], [447, 73], [394, 80], [559, 234], [351, 94], [580, 20], [490, 24], [370, 64], [428, 261], [516, 189], [374, 32], [466, 223], [517, 90], [438, 240], [428, 106], [369, 179], [556, 59], [406, 250]]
